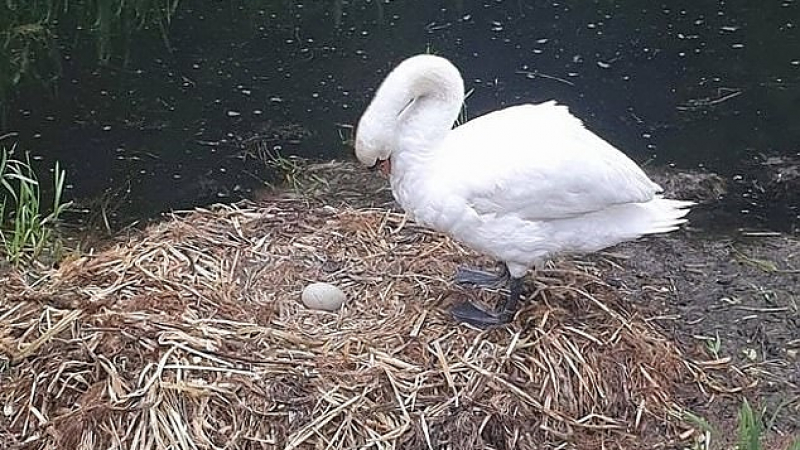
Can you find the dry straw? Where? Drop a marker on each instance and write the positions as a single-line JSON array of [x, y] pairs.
[[190, 335]]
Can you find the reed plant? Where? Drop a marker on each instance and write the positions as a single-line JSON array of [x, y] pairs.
[[27, 229], [33, 33]]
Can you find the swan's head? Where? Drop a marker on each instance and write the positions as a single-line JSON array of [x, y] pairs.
[[417, 102], [372, 146], [376, 138]]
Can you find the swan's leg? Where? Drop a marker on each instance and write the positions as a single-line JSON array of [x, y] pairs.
[[467, 312], [512, 301], [480, 278]]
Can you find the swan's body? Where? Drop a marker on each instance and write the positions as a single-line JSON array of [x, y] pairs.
[[520, 184]]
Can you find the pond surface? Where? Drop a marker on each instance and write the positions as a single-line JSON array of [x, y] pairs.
[[712, 85]]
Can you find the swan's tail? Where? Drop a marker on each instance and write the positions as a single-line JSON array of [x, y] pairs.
[[662, 215], [619, 223]]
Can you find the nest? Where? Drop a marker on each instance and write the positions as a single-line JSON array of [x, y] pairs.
[[190, 334]]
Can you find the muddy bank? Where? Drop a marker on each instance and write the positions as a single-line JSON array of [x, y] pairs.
[[730, 296]]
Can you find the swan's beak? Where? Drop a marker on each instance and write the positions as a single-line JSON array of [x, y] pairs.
[[385, 166]]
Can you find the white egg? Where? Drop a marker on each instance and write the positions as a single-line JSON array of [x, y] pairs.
[[323, 296]]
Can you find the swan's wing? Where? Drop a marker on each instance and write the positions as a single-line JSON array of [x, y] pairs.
[[537, 162]]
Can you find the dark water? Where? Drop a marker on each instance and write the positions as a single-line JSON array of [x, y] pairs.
[[712, 84]]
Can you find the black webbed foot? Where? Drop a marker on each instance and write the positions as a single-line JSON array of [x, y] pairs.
[[480, 278], [467, 312]]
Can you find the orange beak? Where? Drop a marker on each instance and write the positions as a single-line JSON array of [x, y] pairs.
[[385, 167]]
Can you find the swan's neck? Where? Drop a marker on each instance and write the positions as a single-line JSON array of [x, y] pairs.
[[414, 108]]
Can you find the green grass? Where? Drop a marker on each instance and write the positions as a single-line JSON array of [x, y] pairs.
[[27, 229], [750, 430], [291, 172]]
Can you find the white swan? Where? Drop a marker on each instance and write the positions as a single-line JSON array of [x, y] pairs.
[[520, 184]]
